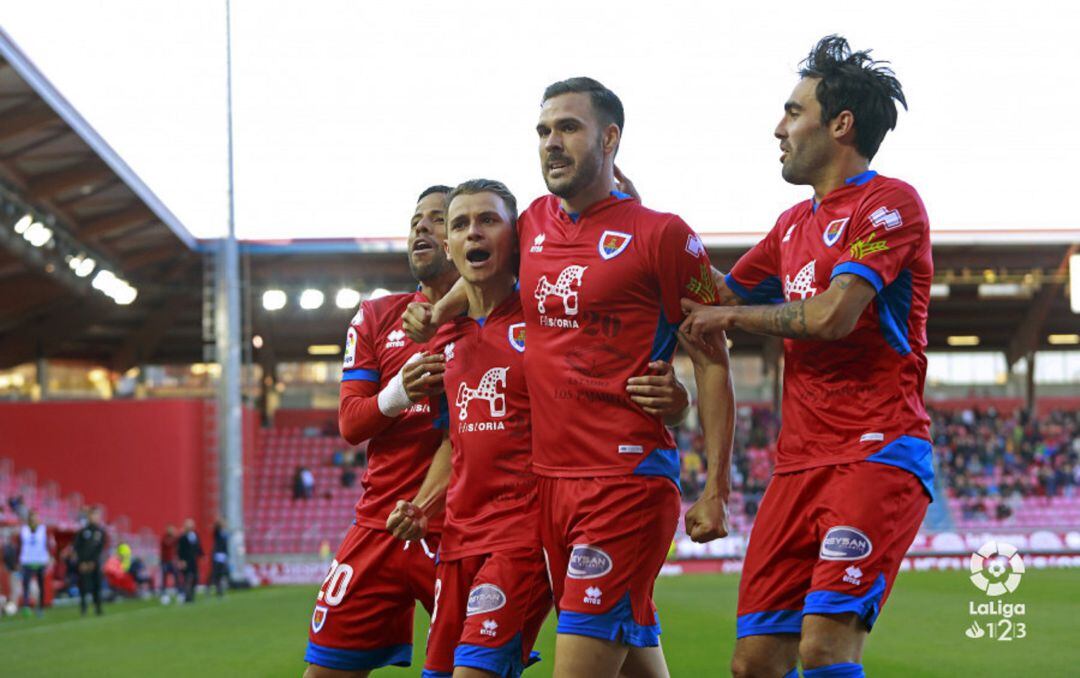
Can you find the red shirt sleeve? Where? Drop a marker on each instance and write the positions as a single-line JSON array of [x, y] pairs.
[[359, 417], [681, 265], [886, 235], [755, 277]]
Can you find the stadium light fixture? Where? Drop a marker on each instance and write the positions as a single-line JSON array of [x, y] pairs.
[[323, 349], [939, 291], [1005, 291], [38, 234], [963, 340], [347, 298], [257, 341], [1064, 339], [274, 300], [1074, 282], [85, 267], [378, 293], [23, 224], [311, 299], [117, 289]]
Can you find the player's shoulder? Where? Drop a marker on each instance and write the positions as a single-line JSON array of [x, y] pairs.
[[384, 309], [889, 200], [543, 206]]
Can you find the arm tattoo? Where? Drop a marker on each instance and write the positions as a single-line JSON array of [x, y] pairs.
[[783, 320]]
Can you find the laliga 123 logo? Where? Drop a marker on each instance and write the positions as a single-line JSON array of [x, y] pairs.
[[996, 569]]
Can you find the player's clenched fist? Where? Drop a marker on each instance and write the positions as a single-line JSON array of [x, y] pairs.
[[705, 324], [407, 521], [423, 377], [707, 519], [418, 321]]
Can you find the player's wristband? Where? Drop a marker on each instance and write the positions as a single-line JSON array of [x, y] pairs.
[[393, 400]]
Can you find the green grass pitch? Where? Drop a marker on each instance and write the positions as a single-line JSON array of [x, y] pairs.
[[263, 633]]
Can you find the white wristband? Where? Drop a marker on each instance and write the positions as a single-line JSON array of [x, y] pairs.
[[393, 400]]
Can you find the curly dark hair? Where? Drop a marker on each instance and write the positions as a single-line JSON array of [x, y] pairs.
[[853, 81]]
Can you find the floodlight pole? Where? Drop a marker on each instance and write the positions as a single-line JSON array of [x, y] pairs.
[[227, 326]]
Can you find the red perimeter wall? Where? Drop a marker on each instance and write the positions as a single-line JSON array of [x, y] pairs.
[[141, 458]]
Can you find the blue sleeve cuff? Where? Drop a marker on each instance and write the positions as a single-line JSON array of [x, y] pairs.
[[360, 375], [862, 270], [738, 289]]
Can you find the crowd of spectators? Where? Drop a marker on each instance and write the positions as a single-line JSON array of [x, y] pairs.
[[989, 460]]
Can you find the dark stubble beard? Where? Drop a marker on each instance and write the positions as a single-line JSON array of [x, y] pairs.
[[585, 172], [432, 270]]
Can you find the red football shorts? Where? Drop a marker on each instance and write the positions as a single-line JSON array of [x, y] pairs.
[[605, 540], [488, 611], [827, 540], [363, 615]]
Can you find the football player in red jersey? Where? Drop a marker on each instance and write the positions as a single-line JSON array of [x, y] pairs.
[[601, 277], [845, 279], [363, 616], [492, 591]]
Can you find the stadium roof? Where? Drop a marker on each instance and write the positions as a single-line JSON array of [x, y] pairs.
[[57, 169]]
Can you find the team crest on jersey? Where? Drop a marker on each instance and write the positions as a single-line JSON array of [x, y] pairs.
[[833, 231], [488, 389], [612, 244], [350, 349], [318, 618], [516, 334]]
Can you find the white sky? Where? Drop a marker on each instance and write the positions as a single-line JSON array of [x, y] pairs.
[[345, 110]]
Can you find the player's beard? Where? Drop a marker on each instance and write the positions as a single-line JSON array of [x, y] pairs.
[[804, 162], [586, 170], [433, 269]]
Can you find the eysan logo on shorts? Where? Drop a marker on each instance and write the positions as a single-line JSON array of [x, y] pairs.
[[845, 543], [588, 562], [485, 598]]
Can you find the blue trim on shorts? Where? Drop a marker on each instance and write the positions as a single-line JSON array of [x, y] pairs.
[[912, 454], [360, 375], [866, 606], [615, 624], [358, 660], [662, 462], [504, 661], [845, 670], [768, 622]]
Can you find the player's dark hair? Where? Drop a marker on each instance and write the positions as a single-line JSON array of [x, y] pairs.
[[474, 186], [853, 81], [607, 106], [437, 188]]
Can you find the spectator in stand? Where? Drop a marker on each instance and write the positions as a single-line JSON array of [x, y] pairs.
[[303, 483], [190, 550], [219, 574], [18, 506], [89, 547], [33, 558], [168, 556], [348, 477]]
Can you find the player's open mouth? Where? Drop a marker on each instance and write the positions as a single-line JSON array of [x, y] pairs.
[[477, 256], [558, 165], [423, 246]]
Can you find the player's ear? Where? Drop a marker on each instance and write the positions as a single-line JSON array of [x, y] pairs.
[[610, 140], [843, 125]]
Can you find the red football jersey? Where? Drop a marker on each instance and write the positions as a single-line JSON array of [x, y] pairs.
[[601, 292], [491, 503], [862, 396], [376, 348]]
